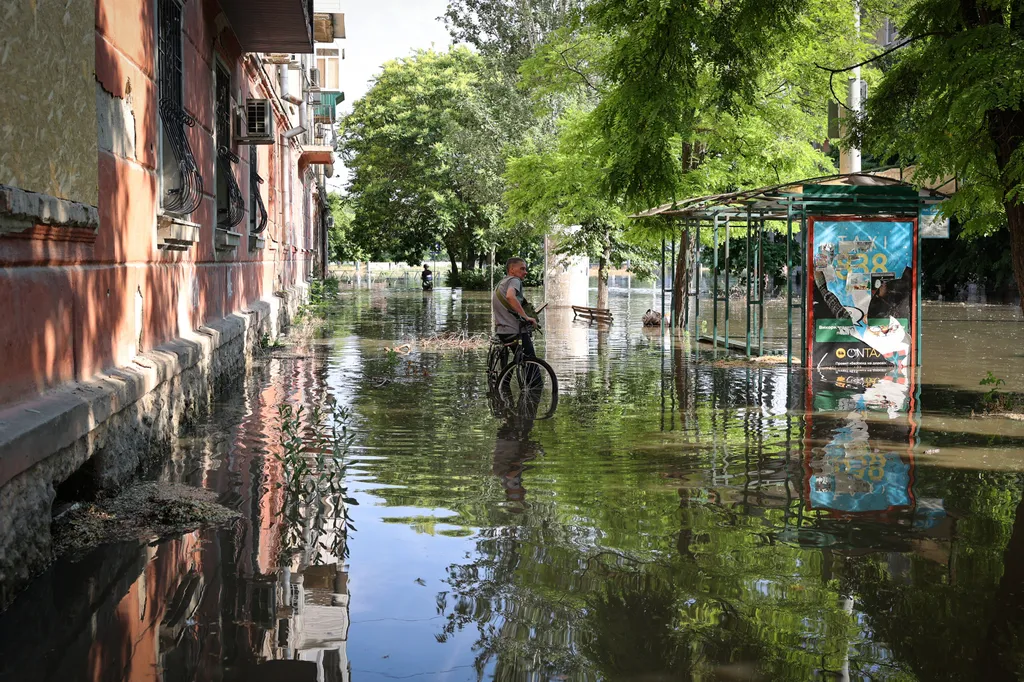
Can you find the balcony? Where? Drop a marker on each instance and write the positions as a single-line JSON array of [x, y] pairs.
[[326, 111], [272, 25]]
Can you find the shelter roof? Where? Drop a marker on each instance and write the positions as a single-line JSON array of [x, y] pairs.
[[878, 192]]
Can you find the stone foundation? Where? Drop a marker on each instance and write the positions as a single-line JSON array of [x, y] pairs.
[[94, 437]]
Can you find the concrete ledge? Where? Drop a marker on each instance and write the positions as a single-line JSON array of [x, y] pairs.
[[21, 210], [31, 430], [97, 435], [176, 234]]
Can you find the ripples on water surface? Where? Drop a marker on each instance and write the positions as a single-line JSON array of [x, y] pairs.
[[675, 520]]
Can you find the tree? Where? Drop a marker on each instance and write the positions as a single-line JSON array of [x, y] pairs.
[[561, 187], [341, 246], [951, 103], [669, 62], [509, 31], [425, 147]]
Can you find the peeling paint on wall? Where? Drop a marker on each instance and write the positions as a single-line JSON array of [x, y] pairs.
[[115, 122], [48, 107]]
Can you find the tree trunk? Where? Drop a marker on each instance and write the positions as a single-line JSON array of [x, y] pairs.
[[1015, 220], [453, 279], [602, 271], [681, 280], [469, 263], [1007, 131]]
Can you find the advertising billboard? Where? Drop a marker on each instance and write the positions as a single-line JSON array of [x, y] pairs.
[[862, 281]]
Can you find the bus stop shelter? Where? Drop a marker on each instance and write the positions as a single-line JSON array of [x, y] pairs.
[[859, 298]]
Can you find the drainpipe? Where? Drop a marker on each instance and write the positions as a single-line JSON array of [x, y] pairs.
[[303, 112]]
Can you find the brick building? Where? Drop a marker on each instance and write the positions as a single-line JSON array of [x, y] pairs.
[[161, 210]]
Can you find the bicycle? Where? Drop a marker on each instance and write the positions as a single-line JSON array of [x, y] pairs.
[[526, 385]]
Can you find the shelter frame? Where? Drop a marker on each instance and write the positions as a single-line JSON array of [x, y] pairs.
[[877, 194]]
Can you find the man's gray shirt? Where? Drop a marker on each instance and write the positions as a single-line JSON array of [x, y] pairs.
[[506, 321]]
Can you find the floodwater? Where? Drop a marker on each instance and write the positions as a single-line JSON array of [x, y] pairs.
[[680, 517]]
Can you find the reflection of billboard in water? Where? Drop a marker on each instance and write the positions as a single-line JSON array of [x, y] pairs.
[[862, 277], [852, 477], [858, 471]]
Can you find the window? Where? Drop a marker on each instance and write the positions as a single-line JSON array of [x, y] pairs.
[[257, 211], [328, 62], [181, 185], [230, 203]]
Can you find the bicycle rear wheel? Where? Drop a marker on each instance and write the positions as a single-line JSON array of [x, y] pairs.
[[529, 388]]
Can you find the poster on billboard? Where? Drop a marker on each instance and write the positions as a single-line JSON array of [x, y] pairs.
[[862, 281]]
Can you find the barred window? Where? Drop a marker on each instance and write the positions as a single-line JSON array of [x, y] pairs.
[[230, 203], [181, 184], [257, 211]]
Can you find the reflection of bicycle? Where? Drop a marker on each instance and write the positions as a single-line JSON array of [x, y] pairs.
[[526, 385]]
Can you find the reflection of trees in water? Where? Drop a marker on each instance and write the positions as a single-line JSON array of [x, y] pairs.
[[544, 601], [521, 627], [712, 587]]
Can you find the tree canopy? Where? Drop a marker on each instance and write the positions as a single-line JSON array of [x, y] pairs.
[[425, 148], [950, 103], [578, 112]]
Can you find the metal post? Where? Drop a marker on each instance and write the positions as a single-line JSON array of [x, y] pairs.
[[760, 285], [727, 290], [672, 277], [714, 291], [686, 280], [789, 285], [807, 261], [748, 282], [917, 326], [696, 278], [662, 283]]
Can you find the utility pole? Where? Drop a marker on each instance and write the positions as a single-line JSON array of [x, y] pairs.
[[849, 159]]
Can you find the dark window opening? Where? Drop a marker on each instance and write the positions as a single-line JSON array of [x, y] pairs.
[[230, 203], [181, 181]]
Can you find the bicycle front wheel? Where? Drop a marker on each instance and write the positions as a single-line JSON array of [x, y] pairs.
[[529, 388]]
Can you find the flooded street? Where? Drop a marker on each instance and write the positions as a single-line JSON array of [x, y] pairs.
[[680, 517]]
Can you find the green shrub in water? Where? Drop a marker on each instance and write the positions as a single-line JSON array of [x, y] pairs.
[[313, 458]]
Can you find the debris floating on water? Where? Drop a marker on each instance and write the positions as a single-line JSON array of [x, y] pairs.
[[454, 341], [754, 360], [144, 511]]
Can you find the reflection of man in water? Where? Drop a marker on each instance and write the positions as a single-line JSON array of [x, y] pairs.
[[512, 449]]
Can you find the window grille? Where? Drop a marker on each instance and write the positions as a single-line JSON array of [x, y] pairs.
[[257, 211], [230, 205], [185, 197]]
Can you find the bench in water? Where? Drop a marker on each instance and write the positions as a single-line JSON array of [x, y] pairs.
[[593, 314]]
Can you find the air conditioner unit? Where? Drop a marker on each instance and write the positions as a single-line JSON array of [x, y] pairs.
[[314, 76], [313, 95], [257, 127]]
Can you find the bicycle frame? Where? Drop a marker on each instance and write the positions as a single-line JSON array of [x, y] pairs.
[[515, 347]]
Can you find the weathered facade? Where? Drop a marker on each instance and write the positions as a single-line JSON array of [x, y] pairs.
[[145, 245]]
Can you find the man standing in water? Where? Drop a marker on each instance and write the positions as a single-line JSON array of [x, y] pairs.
[[509, 305]]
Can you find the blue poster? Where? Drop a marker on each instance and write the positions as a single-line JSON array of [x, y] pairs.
[[863, 294]]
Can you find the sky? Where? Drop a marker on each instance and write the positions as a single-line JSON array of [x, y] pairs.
[[378, 31]]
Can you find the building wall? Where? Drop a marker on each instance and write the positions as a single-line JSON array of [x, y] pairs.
[[78, 301], [49, 44]]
